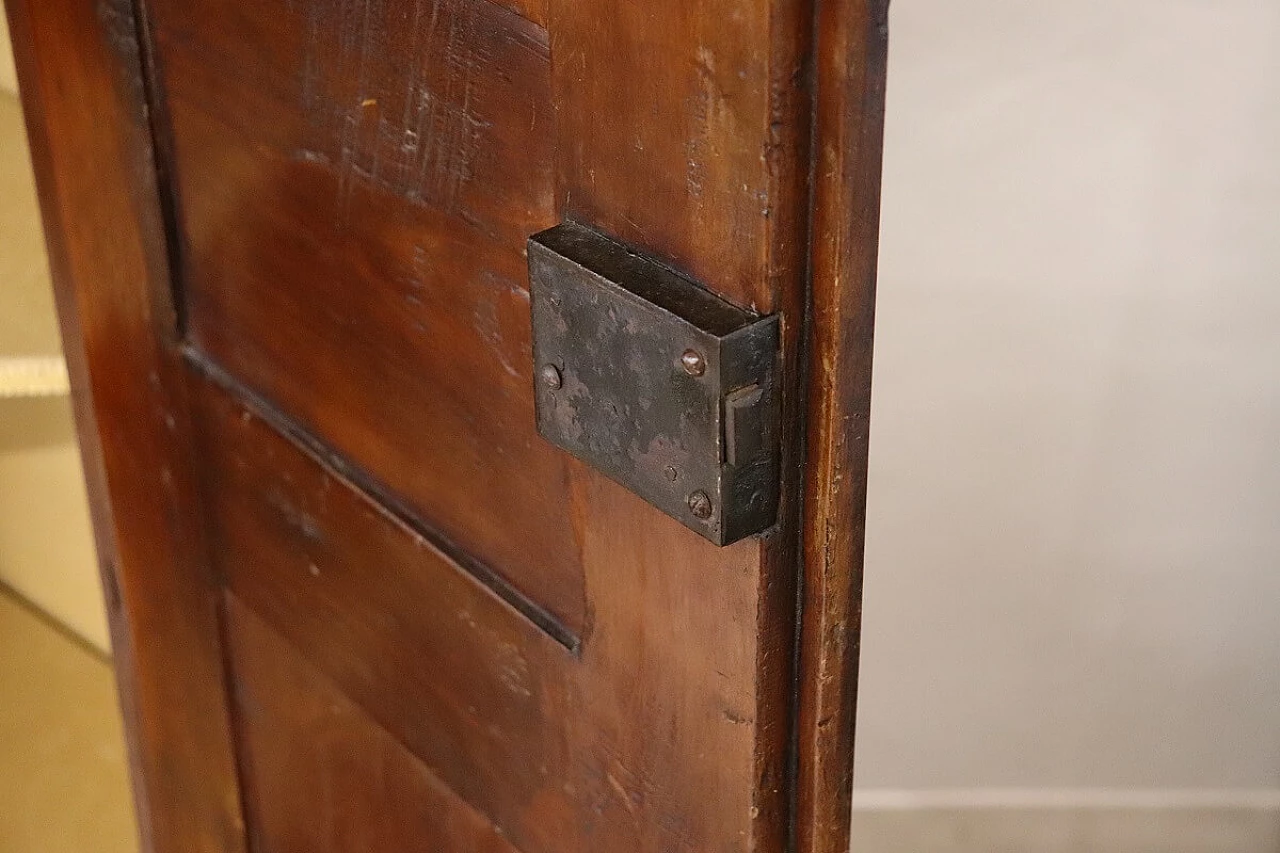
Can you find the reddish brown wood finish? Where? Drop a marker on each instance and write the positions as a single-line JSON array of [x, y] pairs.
[[439, 632], [556, 748], [358, 259], [849, 79], [468, 685], [83, 92], [323, 777], [704, 162]]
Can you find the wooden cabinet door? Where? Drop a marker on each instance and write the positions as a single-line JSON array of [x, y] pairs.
[[358, 604]]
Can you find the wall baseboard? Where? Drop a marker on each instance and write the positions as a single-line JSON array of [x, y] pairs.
[[1066, 821]]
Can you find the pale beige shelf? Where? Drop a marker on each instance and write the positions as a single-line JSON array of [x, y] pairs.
[[31, 376], [30, 354]]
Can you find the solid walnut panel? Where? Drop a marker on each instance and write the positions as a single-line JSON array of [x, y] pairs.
[[471, 687], [320, 775], [353, 198], [443, 105], [640, 741]]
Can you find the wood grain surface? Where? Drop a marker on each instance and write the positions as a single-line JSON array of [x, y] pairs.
[[84, 94], [347, 575], [849, 99]]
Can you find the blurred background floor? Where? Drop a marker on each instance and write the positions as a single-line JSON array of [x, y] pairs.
[[63, 779]]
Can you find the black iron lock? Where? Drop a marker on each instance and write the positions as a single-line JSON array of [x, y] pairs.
[[656, 381]]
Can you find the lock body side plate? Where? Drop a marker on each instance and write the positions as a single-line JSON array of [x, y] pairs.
[[655, 381]]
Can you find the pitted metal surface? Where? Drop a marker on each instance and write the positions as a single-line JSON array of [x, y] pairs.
[[655, 381]]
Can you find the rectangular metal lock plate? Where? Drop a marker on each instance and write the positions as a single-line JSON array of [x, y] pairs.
[[655, 381]]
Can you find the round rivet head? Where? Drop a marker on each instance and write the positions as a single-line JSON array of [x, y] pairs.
[[550, 376], [670, 472], [700, 505], [693, 362]]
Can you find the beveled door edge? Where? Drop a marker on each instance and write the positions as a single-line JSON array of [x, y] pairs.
[[84, 95], [850, 54]]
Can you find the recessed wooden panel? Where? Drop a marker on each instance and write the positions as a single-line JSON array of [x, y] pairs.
[[443, 104], [470, 686], [354, 188], [320, 775], [642, 741]]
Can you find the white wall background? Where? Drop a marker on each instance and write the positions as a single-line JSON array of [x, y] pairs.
[[1073, 556]]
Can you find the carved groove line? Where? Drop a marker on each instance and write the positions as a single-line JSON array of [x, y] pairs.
[[379, 497]]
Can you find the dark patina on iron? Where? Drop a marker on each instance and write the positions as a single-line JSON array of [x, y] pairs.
[[660, 384]]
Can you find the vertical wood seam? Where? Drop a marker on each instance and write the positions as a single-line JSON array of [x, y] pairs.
[[160, 129]]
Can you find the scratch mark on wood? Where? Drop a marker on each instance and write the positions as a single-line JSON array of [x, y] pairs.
[[360, 56], [489, 314], [702, 107]]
